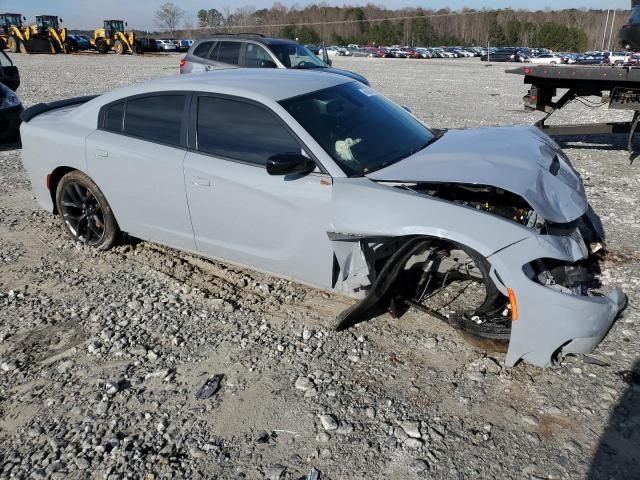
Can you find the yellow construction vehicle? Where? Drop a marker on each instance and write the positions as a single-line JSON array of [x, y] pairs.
[[49, 26], [17, 38], [113, 37]]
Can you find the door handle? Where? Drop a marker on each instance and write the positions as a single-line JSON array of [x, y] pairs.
[[200, 182], [208, 68], [102, 153]]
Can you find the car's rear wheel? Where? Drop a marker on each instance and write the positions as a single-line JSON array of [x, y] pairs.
[[452, 283], [85, 212]]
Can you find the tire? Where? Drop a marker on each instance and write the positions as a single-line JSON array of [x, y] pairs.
[[102, 47], [85, 212], [70, 47], [13, 44], [118, 47]]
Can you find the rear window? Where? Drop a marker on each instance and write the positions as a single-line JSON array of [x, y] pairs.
[[157, 118], [113, 117], [202, 49]]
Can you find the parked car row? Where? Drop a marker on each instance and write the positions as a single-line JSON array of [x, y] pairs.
[[541, 56], [143, 44]]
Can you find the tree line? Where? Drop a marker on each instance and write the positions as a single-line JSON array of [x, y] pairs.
[[562, 30]]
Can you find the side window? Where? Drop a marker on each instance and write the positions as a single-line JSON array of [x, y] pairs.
[[241, 131], [202, 49], [229, 52], [113, 117], [213, 55], [257, 57], [157, 118]]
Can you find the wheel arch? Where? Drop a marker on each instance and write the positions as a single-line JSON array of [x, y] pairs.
[[53, 179]]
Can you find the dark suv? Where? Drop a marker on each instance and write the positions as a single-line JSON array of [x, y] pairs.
[[254, 51]]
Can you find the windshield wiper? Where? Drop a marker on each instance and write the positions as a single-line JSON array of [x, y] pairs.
[[300, 67]]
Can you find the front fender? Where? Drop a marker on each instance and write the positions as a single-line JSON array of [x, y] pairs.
[[365, 208]]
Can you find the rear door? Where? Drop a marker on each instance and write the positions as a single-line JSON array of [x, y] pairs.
[[136, 158], [240, 212]]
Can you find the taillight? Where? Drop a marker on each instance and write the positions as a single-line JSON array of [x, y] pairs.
[[182, 63]]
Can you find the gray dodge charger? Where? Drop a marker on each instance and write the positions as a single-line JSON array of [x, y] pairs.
[[321, 179]]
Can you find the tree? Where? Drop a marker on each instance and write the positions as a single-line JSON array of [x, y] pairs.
[[168, 17], [303, 34], [210, 18]]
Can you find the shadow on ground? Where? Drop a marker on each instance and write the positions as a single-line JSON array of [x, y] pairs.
[[618, 454]]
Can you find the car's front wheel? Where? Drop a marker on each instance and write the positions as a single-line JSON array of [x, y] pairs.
[[452, 282], [85, 212]]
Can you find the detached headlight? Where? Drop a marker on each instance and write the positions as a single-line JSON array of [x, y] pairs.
[[10, 99]]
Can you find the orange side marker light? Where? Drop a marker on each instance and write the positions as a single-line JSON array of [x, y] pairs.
[[513, 304]]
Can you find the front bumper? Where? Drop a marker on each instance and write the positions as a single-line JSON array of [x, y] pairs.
[[549, 321]]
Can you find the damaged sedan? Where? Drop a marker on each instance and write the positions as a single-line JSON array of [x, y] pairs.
[[321, 179]]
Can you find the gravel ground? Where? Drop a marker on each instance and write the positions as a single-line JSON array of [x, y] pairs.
[[101, 354]]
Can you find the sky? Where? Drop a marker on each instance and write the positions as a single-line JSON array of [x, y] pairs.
[[88, 14]]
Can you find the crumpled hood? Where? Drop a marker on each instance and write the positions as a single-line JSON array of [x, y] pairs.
[[520, 159]]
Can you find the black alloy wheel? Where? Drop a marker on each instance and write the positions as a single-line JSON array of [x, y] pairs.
[[85, 212]]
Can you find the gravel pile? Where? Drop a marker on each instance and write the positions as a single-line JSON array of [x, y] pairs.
[[102, 354]]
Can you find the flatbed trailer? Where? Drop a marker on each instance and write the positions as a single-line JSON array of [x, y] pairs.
[[617, 86]]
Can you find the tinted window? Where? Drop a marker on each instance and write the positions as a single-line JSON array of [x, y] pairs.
[[213, 55], [229, 52], [293, 55], [202, 49], [358, 127], [157, 118], [241, 131], [257, 57], [113, 117]]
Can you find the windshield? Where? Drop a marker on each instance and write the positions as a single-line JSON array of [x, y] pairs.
[[11, 19], [296, 56], [115, 26], [359, 128], [46, 22]]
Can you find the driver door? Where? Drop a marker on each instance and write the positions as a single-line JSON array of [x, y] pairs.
[[241, 213]]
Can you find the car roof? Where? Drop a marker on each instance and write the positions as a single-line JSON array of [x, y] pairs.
[[255, 38], [268, 83]]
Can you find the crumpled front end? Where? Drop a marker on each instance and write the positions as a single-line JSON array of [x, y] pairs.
[[552, 278]]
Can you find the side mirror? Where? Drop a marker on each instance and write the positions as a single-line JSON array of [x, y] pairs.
[[290, 163], [268, 64], [61, 21], [126, 24]]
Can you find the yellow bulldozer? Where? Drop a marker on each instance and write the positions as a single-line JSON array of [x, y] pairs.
[[45, 36], [114, 37], [49, 26]]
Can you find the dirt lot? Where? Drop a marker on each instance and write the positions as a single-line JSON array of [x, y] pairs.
[[101, 354]]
